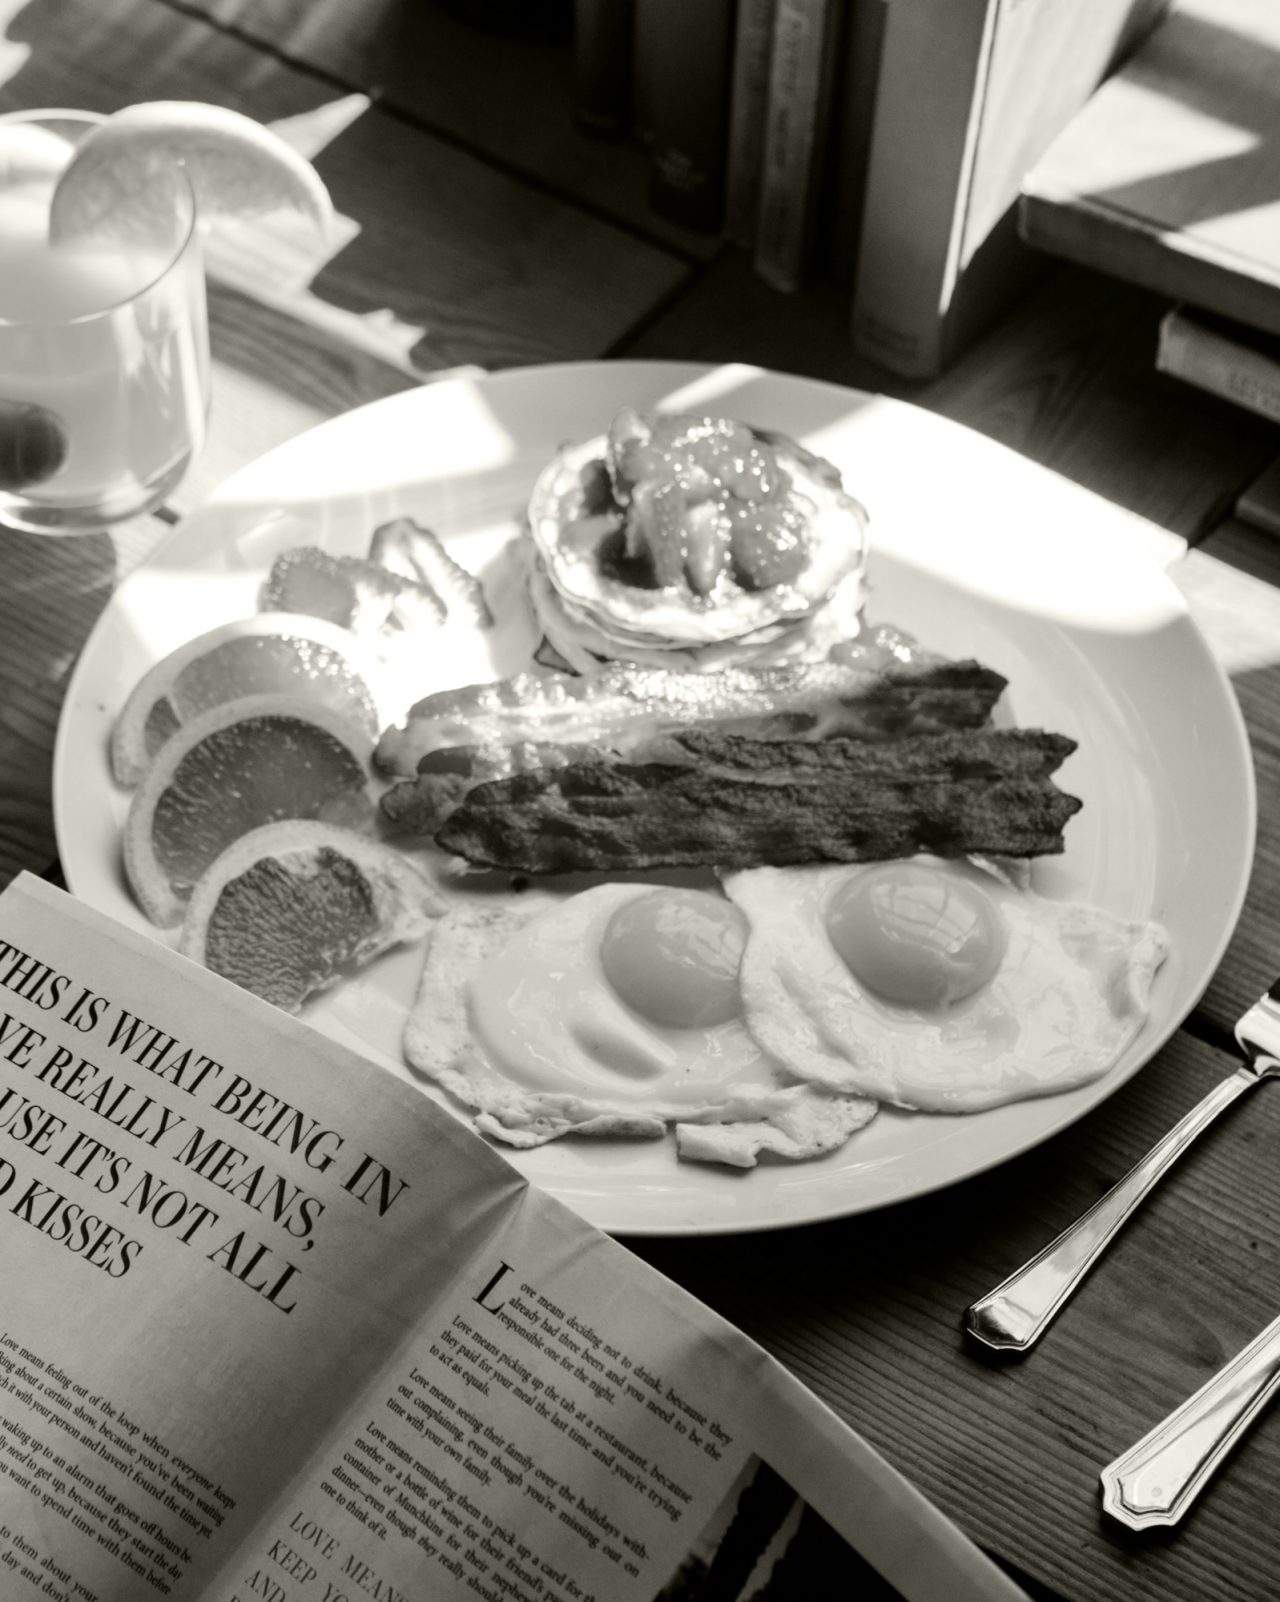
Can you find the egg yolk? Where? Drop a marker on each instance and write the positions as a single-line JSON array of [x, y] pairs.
[[916, 935], [673, 955]]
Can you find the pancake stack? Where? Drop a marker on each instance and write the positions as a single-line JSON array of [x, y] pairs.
[[582, 583]]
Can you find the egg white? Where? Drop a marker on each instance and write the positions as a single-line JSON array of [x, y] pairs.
[[515, 1018], [1071, 991]]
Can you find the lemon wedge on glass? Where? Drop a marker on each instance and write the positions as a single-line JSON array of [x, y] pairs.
[[126, 169]]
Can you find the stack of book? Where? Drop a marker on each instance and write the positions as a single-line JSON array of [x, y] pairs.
[[1169, 177], [878, 141], [1227, 358]]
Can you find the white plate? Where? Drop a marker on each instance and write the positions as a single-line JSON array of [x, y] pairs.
[[976, 551]]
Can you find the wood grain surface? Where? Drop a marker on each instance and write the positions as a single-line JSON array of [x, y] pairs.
[[868, 1310], [480, 228], [1233, 583]]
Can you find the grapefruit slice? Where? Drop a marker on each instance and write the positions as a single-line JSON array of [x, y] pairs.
[[291, 908], [270, 653], [123, 168], [255, 760]]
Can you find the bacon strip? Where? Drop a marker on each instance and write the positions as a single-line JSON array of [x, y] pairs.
[[740, 803], [624, 707]]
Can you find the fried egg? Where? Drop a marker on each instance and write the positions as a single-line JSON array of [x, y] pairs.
[[935, 985], [616, 1011]]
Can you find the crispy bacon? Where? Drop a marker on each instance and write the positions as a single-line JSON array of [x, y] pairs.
[[623, 707], [740, 803]]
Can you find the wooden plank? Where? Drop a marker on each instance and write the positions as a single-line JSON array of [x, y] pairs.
[[52, 594], [867, 1311], [1259, 504], [486, 268], [506, 98], [1232, 582], [1067, 378]]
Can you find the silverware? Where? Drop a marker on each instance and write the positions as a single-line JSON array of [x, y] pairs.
[[1019, 1310], [1156, 1481]]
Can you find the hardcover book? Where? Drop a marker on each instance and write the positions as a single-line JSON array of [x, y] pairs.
[[685, 49], [802, 71], [853, 97], [1223, 357], [971, 93], [748, 106], [603, 66], [1168, 177]]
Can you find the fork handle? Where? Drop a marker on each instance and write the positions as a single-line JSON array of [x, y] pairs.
[[1156, 1481], [1018, 1311]]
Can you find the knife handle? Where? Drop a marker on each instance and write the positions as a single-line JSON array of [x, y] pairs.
[[1156, 1481], [1019, 1310]]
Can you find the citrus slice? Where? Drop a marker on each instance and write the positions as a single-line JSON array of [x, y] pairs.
[[270, 653], [291, 907], [255, 760], [122, 171], [30, 153]]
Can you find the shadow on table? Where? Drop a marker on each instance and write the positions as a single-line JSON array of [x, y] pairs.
[[52, 594]]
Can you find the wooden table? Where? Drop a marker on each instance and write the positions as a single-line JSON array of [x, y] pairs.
[[481, 228]]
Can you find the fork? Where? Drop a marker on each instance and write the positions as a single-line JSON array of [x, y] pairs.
[[1017, 1312]]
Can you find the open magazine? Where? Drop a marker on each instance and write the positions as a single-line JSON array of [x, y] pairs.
[[277, 1326]]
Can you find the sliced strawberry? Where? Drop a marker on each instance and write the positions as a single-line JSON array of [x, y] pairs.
[[754, 475], [706, 546], [767, 544], [657, 513]]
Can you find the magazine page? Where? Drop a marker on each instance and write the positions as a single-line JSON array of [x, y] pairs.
[[213, 1231], [285, 1329], [570, 1425]]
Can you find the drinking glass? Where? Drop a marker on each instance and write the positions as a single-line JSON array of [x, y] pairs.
[[104, 345]]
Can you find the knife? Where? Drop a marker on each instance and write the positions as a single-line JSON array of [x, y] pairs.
[[1017, 1312]]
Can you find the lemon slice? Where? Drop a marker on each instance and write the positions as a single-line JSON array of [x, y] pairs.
[[122, 173], [30, 153], [256, 760], [291, 907], [268, 653]]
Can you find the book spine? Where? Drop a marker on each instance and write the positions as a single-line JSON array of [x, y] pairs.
[[688, 54], [748, 108], [644, 55], [795, 123], [853, 100], [602, 66], [1211, 361], [934, 63]]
